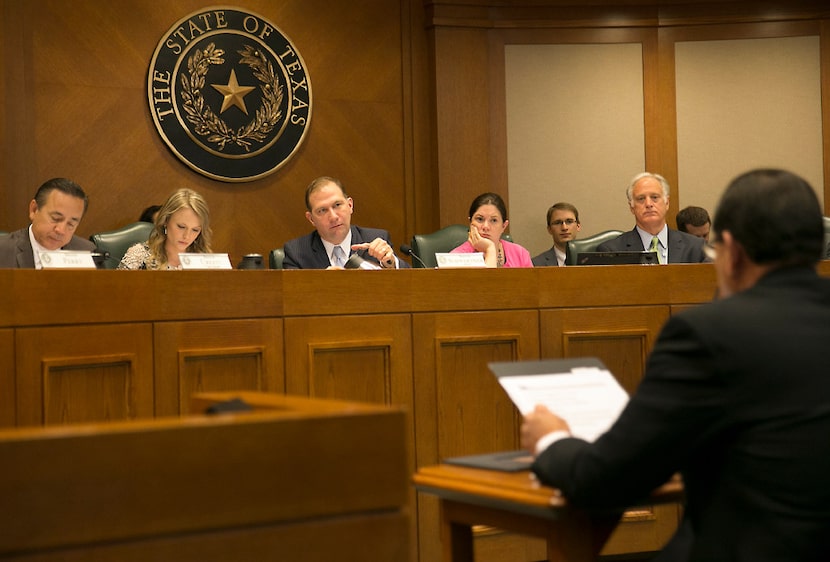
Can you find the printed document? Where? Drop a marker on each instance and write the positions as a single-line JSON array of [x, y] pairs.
[[581, 391]]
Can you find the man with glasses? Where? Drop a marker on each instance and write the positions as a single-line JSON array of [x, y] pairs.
[[735, 396], [648, 201], [563, 224]]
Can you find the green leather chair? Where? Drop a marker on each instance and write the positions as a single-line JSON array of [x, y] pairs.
[[275, 258], [588, 244], [425, 246], [826, 255], [116, 242]]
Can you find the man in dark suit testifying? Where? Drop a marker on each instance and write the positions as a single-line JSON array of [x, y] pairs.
[[330, 210], [735, 397], [56, 211], [648, 200]]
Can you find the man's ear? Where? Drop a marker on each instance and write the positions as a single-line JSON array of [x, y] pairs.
[[736, 257], [308, 216], [32, 209]]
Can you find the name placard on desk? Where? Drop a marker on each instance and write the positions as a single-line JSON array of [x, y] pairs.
[[205, 261], [66, 259], [449, 260]]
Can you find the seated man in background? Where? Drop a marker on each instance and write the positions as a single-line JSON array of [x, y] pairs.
[[563, 224], [740, 409], [694, 221], [330, 210], [55, 212], [648, 201]]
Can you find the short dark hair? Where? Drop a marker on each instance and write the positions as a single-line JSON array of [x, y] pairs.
[[775, 215], [317, 184], [147, 214], [63, 185], [562, 207], [695, 216], [489, 199]]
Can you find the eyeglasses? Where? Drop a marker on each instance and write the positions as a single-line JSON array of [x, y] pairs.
[[559, 222]]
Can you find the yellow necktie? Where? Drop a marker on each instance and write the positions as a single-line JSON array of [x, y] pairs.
[[655, 247]]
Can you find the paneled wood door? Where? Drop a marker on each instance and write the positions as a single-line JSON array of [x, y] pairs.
[[87, 373], [460, 409], [214, 356]]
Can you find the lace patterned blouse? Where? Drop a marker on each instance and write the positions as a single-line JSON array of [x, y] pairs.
[[138, 256]]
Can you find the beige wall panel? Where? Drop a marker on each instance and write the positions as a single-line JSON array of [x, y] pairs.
[[743, 104], [574, 133]]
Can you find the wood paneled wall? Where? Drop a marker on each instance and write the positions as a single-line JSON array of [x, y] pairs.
[[408, 103], [469, 42], [74, 104]]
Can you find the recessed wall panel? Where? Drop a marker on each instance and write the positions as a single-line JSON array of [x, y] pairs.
[[743, 104], [575, 133]]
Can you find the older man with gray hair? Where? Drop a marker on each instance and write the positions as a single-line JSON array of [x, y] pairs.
[[648, 201]]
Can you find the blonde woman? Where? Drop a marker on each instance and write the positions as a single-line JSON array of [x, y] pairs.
[[182, 226]]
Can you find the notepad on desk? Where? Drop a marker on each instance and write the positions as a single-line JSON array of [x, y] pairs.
[[504, 461]]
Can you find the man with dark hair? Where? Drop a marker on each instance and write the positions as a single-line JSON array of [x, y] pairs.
[[55, 212], [739, 407], [648, 201], [694, 221], [330, 210], [563, 224]]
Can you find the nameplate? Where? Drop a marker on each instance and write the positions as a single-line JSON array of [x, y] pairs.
[[205, 261], [66, 259], [449, 260]]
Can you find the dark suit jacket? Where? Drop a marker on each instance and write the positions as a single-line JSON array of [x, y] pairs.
[[16, 250], [308, 252], [545, 259], [683, 247], [736, 396]]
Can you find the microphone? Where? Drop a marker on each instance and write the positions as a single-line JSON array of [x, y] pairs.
[[356, 262], [406, 249]]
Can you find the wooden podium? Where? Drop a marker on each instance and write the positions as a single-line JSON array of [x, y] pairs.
[[302, 480], [516, 502]]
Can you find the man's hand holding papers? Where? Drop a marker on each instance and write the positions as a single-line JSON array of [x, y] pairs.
[[560, 398]]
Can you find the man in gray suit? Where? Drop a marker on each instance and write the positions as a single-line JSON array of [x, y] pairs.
[[55, 212], [648, 200], [330, 210]]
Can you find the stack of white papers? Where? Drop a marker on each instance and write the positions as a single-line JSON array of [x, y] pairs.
[[581, 391]]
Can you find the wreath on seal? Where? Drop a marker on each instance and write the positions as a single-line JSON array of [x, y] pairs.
[[206, 123]]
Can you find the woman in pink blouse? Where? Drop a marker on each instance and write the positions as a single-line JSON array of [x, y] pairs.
[[488, 221]]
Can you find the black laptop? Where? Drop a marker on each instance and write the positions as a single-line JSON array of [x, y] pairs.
[[616, 258]]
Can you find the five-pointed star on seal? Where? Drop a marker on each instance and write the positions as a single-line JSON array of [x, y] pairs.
[[234, 94]]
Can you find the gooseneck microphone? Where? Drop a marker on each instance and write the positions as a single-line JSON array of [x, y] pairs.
[[406, 249]]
